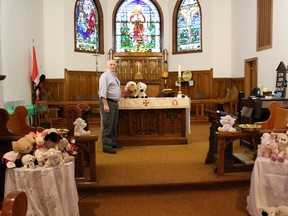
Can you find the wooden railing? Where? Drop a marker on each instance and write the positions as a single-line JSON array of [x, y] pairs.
[[198, 107]]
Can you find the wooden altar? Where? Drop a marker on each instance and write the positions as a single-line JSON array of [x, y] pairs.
[[153, 121]]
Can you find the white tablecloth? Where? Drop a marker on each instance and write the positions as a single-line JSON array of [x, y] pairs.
[[50, 191], [269, 185]]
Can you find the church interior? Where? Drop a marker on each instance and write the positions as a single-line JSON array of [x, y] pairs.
[[204, 121]]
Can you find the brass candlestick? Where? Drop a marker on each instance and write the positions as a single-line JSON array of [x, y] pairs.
[[179, 95]]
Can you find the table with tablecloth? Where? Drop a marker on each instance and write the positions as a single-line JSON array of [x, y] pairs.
[[269, 185], [50, 191]]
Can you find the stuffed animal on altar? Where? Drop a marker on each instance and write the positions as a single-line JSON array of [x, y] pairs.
[[274, 211], [141, 90], [79, 125], [54, 158], [28, 161], [227, 123], [130, 90], [65, 147], [268, 146], [39, 138], [282, 141]]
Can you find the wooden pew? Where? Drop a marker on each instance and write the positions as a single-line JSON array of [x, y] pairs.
[[12, 128], [87, 144], [15, 204]]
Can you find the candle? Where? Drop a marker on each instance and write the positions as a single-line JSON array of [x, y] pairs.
[[179, 70]]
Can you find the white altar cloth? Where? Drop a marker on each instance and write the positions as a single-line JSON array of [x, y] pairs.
[[154, 103], [50, 191], [269, 185], [157, 103]]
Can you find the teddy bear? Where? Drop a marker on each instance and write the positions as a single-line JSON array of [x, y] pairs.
[[28, 161], [227, 123], [282, 141], [141, 90], [23, 146], [130, 90], [65, 147], [79, 125], [268, 147], [53, 157]]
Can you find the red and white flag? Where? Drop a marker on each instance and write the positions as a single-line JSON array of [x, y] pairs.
[[35, 67]]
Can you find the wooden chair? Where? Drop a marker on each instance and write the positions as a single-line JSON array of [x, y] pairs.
[[47, 117], [15, 204], [277, 120]]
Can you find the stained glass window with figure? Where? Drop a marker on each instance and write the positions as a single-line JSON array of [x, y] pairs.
[[137, 27]]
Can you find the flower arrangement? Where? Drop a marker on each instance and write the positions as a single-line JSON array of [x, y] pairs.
[[165, 75]]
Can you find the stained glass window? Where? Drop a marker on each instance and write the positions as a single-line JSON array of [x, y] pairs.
[[137, 27], [87, 26], [188, 31]]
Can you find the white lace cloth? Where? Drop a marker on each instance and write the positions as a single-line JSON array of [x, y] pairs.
[[268, 187], [50, 191]]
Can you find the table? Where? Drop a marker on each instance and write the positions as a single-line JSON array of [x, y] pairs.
[[50, 191], [153, 121], [269, 185], [225, 140]]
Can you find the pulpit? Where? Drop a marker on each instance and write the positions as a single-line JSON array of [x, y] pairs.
[[153, 121]]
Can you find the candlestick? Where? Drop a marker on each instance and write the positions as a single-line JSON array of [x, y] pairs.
[[179, 70]]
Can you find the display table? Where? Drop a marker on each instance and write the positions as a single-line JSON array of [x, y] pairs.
[[153, 121], [268, 187], [50, 191]]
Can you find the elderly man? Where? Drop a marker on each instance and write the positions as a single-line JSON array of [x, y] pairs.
[[109, 94]]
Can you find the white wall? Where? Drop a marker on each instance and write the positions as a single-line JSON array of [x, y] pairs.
[[21, 21], [228, 29]]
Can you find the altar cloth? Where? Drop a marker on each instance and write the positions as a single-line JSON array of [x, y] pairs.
[[50, 191], [154, 103], [269, 185]]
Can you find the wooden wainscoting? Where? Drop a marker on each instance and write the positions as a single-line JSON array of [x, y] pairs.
[[83, 85]]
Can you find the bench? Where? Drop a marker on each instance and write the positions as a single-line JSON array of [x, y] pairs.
[[12, 127], [15, 203]]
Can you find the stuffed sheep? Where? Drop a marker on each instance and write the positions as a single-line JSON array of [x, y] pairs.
[[79, 125], [28, 161], [141, 90], [227, 123], [130, 90]]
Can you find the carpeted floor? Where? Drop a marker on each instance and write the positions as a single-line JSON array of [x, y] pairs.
[[164, 180]]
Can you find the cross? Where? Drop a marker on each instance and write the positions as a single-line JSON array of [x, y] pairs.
[[146, 102]]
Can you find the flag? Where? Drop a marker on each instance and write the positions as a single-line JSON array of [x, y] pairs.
[[35, 67]]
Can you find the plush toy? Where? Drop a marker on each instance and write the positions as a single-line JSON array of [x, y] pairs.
[[141, 90], [274, 211], [54, 158], [79, 125], [267, 145], [130, 90], [227, 123], [23, 146], [51, 137], [64, 146], [28, 161], [9, 159], [39, 138], [282, 141]]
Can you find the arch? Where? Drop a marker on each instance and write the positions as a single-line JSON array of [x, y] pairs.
[[88, 27], [137, 26], [187, 27]]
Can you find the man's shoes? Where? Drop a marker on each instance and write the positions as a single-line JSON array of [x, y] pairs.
[[110, 151], [117, 146]]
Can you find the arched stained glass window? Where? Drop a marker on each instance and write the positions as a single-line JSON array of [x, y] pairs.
[[88, 26], [137, 27], [187, 28]]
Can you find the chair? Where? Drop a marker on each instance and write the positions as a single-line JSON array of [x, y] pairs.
[[277, 120], [15, 204], [47, 117]]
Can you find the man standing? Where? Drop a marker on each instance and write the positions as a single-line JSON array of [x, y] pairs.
[[109, 94]]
